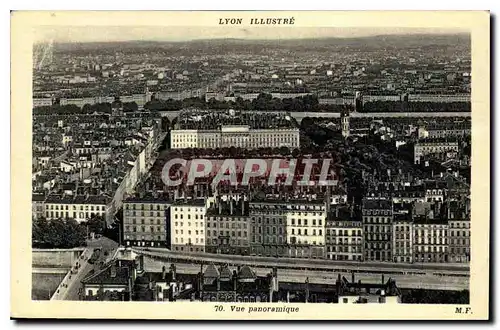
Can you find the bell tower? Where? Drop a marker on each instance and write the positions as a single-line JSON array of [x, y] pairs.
[[344, 121]]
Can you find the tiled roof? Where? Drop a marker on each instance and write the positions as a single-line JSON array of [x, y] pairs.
[[225, 273], [211, 271], [104, 277], [246, 273]]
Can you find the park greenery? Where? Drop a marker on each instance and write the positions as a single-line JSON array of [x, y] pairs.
[[307, 103]]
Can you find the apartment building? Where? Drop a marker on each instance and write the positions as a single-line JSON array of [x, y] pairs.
[[187, 225], [268, 228], [305, 228], [424, 148], [402, 238], [228, 227], [377, 228], [145, 222], [37, 206], [458, 215], [430, 239], [344, 235], [81, 207]]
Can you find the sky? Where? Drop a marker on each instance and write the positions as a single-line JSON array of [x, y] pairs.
[[169, 33]]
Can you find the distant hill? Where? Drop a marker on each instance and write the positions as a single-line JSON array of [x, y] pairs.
[[461, 41]]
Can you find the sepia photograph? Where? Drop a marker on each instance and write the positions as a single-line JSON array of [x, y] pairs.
[[254, 163]]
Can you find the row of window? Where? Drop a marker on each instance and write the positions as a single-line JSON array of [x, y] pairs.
[[377, 229], [345, 232], [462, 251], [344, 258], [342, 241], [456, 241], [152, 229], [371, 212], [464, 233], [430, 257], [145, 214], [74, 207], [232, 242], [181, 216], [143, 221], [189, 209], [367, 219], [462, 224], [305, 232], [345, 249], [222, 219], [188, 241], [142, 237], [268, 240], [147, 207], [189, 249], [420, 248], [431, 240], [378, 246], [227, 225], [194, 232], [181, 224], [305, 222], [69, 214], [233, 233]]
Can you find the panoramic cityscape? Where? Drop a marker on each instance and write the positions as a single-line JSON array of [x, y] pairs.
[[314, 170]]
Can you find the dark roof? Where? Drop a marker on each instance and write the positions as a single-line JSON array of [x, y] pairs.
[[37, 197], [377, 204], [225, 273], [104, 276], [422, 220], [190, 202], [211, 271], [246, 273], [147, 199]]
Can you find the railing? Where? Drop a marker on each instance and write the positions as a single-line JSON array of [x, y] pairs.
[[312, 265], [72, 275]]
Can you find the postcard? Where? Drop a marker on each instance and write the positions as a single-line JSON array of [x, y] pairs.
[[250, 165]]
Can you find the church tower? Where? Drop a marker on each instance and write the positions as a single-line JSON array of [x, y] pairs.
[[344, 121]]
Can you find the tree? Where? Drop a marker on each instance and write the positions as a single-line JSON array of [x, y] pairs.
[[57, 233], [96, 224], [130, 107]]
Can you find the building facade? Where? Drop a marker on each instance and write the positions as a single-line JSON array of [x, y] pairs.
[[402, 238], [305, 229], [431, 240], [228, 228], [268, 229], [377, 227], [145, 222], [235, 136], [424, 148], [459, 240], [187, 226], [344, 236]]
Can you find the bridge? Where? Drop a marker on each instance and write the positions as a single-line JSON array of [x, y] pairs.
[[57, 273], [410, 276]]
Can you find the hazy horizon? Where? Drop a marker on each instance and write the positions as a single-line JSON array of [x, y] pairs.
[[81, 34]]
